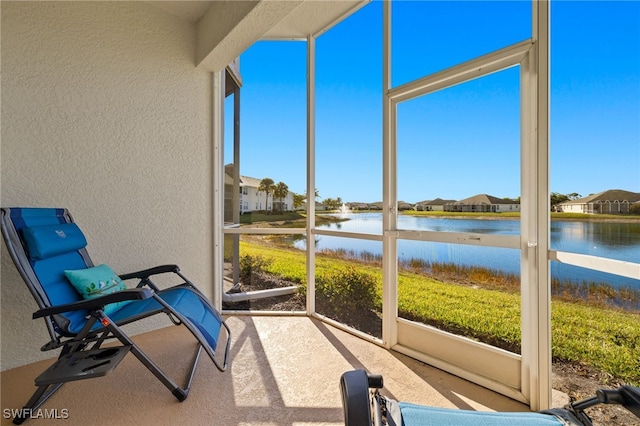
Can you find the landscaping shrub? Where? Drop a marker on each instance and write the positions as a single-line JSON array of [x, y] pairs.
[[348, 289], [253, 264]]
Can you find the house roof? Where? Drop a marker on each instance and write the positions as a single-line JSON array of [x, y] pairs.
[[611, 195], [244, 180], [438, 202], [249, 181], [485, 199]]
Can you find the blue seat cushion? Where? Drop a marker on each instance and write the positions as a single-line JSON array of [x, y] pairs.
[[184, 300], [414, 415]]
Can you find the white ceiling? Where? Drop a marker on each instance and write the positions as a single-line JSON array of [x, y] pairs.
[[313, 18], [190, 11], [310, 17], [226, 28]]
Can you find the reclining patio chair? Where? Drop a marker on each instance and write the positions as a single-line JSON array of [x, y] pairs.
[[84, 305], [363, 405]]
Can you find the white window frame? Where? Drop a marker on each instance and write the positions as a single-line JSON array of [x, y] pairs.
[[526, 377]]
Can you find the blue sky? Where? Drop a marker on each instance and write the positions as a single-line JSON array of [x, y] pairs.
[[461, 141]]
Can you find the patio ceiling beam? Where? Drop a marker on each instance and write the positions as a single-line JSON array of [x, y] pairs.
[[228, 28]]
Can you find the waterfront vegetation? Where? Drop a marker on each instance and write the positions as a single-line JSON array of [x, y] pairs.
[[507, 215], [297, 219], [254, 217], [479, 304]]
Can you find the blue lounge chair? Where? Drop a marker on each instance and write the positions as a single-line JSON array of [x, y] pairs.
[[84, 306], [363, 405]]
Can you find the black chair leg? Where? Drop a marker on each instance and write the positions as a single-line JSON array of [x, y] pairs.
[[40, 396]]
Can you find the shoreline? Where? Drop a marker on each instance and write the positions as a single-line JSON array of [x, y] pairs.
[[577, 217]]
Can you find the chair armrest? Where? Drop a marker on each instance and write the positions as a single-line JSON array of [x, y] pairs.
[[627, 396], [98, 302], [632, 399], [356, 405], [146, 273]]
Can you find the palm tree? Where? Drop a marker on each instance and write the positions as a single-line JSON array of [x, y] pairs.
[[298, 200], [266, 186], [316, 195], [557, 198], [280, 191]]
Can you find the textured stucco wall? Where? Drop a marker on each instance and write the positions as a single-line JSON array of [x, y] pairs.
[[105, 113]]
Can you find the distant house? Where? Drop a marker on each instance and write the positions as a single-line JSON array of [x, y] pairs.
[[251, 199], [403, 205], [420, 205], [613, 201], [436, 205], [483, 203]]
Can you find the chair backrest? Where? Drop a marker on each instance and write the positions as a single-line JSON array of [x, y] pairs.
[[43, 243]]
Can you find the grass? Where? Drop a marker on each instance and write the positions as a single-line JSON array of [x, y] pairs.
[[489, 316], [605, 339], [602, 338], [590, 293]]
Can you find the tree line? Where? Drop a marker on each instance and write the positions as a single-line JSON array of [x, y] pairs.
[[280, 190], [557, 198]]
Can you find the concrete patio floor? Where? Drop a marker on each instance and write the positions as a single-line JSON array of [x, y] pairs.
[[285, 370]]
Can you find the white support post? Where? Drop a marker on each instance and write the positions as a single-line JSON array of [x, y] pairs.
[[389, 195], [217, 136], [535, 217], [541, 36], [528, 250], [311, 174], [236, 181]]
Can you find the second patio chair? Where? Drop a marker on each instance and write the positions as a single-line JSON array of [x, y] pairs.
[[364, 405]]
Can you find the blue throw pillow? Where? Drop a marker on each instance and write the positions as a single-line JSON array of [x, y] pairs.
[[97, 281]]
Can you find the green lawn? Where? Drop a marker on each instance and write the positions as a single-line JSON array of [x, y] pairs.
[[605, 339]]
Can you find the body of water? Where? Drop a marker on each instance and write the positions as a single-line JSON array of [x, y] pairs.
[[613, 240]]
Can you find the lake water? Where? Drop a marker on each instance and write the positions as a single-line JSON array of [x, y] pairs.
[[619, 241]]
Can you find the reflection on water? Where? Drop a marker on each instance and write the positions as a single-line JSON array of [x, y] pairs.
[[613, 240]]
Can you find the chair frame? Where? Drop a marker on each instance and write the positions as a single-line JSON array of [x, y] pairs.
[[364, 405], [91, 339]]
